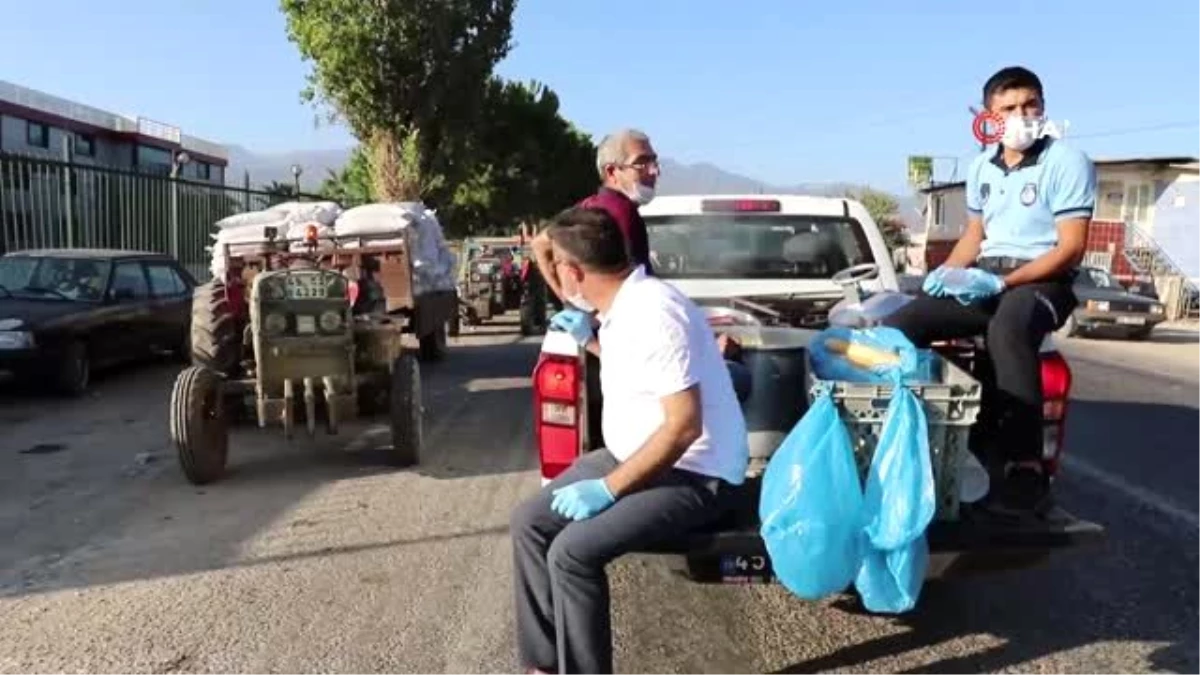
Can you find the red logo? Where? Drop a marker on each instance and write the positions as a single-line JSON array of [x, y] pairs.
[[988, 127]]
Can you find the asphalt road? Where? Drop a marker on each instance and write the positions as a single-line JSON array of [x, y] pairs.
[[314, 557]]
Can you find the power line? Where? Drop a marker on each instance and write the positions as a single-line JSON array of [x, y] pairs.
[[1137, 130]]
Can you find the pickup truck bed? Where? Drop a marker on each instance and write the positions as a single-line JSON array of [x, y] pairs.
[[731, 550]]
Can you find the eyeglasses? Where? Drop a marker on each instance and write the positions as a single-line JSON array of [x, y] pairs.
[[641, 165]]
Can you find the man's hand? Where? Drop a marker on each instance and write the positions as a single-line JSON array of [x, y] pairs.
[[935, 284], [582, 499], [575, 323], [730, 349], [543, 254], [971, 285]]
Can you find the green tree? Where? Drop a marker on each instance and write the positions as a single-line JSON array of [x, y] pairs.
[[526, 160], [407, 77], [521, 162], [352, 184], [885, 211]]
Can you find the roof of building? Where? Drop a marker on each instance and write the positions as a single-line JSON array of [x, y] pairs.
[[1179, 162], [42, 107], [86, 253]]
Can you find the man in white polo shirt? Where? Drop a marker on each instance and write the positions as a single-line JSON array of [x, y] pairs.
[[675, 435]]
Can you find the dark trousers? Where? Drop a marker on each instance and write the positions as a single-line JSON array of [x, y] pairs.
[[1014, 323], [562, 601]]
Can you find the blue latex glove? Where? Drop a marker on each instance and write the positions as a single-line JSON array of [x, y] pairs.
[[935, 283], [971, 284], [582, 499], [575, 323]]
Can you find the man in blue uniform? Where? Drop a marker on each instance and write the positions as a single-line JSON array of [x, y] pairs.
[[1029, 204]]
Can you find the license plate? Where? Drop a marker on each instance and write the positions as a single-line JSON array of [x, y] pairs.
[[306, 324], [305, 286], [746, 569], [1132, 320]]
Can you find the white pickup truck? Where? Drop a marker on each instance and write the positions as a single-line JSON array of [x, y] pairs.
[[765, 266]]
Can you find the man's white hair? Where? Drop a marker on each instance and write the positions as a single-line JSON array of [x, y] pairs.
[[612, 149]]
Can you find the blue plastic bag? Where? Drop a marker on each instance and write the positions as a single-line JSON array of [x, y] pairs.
[[868, 312], [828, 364], [899, 502], [811, 505]]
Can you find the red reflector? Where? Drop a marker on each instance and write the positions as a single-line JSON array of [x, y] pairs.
[[1056, 377], [1056, 387], [557, 380], [740, 205], [558, 447]]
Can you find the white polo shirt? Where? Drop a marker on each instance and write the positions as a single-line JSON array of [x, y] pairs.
[[654, 342]]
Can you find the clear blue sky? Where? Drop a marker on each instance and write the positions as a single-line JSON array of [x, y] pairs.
[[782, 90]]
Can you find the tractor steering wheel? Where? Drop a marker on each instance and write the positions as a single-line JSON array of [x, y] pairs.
[[856, 273]]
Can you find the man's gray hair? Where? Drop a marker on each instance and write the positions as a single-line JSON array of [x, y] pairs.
[[612, 149]]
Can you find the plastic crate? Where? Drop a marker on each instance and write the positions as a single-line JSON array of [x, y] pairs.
[[951, 404]]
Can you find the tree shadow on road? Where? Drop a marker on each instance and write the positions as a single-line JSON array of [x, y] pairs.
[[106, 525]]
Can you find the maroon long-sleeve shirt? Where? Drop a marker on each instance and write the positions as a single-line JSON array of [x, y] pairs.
[[625, 212]]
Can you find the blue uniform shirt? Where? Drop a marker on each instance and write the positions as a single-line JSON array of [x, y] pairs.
[[1021, 206]]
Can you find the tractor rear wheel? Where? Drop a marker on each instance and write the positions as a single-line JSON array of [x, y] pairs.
[[215, 341], [406, 411], [199, 426]]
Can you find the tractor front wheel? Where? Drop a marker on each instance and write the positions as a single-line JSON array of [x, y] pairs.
[[406, 411], [199, 426]]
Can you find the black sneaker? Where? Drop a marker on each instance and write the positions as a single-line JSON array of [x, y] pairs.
[[1023, 492]]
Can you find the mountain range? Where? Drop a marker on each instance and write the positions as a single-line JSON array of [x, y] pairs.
[[677, 178]]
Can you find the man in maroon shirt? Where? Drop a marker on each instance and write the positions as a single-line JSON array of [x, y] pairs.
[[628, 168]]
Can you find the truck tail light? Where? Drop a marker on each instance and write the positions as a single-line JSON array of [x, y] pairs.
[[556, 401], [1056, 388]]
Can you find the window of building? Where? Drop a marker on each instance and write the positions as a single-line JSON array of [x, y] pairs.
[[203, 171], [85, 146], [37, 134], [1109, 198], [153, 160], [1139, 200]]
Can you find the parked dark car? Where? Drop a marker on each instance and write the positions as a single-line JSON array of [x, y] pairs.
[[66, 312], [1106, 308]]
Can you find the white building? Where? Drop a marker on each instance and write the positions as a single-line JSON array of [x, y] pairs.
[[36, 124]]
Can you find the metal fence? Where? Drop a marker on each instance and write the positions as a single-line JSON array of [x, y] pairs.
[[59, 204]]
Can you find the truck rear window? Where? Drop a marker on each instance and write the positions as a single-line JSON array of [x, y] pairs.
[[707, 246]]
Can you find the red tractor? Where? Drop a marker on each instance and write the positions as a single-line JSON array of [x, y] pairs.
[[319, 330]]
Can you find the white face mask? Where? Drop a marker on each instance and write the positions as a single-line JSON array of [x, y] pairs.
[[641, 194], [577, 300], [1021, 132]]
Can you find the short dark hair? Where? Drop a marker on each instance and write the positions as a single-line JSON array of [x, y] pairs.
[[592, 237], [1012, 77]]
